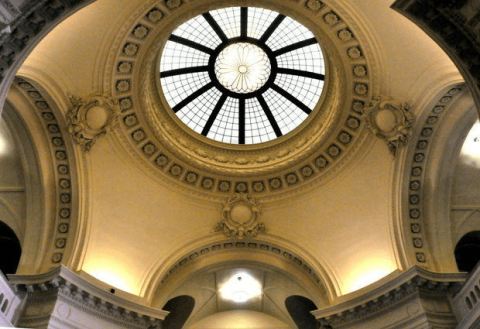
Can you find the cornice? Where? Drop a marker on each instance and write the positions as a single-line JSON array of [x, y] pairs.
[[447, 23], [170, 153], [36, 18], [72, 289], [408, 285]]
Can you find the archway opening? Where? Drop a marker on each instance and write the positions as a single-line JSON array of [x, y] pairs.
[[11, 250], [180, 309], [467, 251], [299, 308]]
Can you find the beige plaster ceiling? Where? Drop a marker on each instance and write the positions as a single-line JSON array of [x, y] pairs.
[[139, 221]]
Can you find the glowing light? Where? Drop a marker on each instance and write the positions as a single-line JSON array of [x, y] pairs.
[[369, 278], [471, 147], [112, 276], [241, 288], [3, 146], [242, 67]]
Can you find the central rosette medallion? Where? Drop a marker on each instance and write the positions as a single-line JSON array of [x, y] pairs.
[[242, 67]]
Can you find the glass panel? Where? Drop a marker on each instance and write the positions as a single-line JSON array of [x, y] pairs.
[[225, 127], [198, 30], [308, 58], [257, 126], [196, 113], [287, 33], [190, 57], [305, 89], [229, 21], [259, 20], [179, 87], [287, 114]]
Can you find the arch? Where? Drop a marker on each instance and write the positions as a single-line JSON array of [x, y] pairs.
[[9, 242], [299, 308], [292, 262], [180, 308], [425, 209], [467, 251]]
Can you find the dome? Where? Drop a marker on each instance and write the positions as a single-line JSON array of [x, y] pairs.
[[157, 149]]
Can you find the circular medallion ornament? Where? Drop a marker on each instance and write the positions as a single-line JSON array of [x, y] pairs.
[[242, 75], [240, 217], [242, 67]]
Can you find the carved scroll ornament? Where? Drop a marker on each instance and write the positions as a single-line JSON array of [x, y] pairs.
[[391, 121], [91, 118], [240, 217]]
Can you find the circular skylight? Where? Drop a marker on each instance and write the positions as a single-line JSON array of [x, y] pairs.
[[242, 75]]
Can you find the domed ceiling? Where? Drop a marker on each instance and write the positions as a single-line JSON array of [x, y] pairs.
[[181, 166]]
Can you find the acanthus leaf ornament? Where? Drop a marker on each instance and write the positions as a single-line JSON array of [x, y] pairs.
[[391, 121], [240, 217], [91, 118]]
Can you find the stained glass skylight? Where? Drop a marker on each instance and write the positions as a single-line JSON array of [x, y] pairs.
[[242, 75]]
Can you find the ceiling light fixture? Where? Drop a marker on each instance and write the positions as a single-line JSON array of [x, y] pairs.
[[241, 288]]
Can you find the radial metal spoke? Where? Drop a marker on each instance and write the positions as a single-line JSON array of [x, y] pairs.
[[276, 22], [295, 46], [213, 23], [190, 43], [213, 115], [269, 115], [192, 97], [243, 22], [241, 121], [291, 98], [301, 73], [193, 69]]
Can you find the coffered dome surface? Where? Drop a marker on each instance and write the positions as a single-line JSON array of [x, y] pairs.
[[174, 152]]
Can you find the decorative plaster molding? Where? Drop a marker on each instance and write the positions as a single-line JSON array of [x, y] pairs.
[[91, 118], [413, 283], [67, 287], [414, 226], [179, 157], [35, 18], [8, 11], [63, 176], [240, 217], [248, 245], [391, 121], [454, 25]]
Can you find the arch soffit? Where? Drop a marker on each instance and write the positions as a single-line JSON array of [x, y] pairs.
[[426, 160], [58, 172], [306, 271]]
